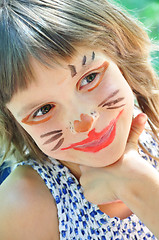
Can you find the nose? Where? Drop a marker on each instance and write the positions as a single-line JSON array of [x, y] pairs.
[[85, 124]]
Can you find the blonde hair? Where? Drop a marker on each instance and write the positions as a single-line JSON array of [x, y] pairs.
[[51, 29]]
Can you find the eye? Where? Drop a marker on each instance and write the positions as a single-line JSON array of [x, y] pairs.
[[89, 82], [43, 110], [92, 79], [43, 114], [88, 79]]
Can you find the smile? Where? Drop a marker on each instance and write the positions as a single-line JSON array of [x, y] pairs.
[[97, 140]]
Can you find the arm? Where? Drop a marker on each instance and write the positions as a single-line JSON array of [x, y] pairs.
[[130, 179], [142, 192], [27, 209]]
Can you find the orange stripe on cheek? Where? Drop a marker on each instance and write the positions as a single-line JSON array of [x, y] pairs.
[[26, 121]]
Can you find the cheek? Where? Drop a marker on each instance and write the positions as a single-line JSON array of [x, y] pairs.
[[33, 132], [49, 140], [35, 135]]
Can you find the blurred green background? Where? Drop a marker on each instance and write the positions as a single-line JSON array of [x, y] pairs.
[[147, 11]]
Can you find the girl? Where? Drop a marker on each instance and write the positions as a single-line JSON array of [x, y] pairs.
[[70, 72]]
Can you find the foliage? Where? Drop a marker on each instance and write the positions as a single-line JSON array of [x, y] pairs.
[[147, 11]]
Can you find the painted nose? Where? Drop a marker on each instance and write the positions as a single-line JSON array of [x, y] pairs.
[[85, 124]]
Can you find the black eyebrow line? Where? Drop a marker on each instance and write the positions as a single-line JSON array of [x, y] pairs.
[[50, 133], [73, 70], [110, 96], [84, 60], [93, 55]]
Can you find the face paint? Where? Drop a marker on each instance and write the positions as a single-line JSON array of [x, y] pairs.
[[109, 104], [58, 134], [113, 102], [117, 106], [34, 117], [53, 138], [84, 60], [93, 55], [105, 66], [84, 125], [97, 141], [110, 96], [73, 70], [28, 122], [103, 69], [60, 142], [50, 133]]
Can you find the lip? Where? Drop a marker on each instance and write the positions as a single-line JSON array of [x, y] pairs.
[[97, 140]]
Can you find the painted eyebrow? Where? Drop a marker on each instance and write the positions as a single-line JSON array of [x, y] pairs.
[[93, 55], [73, 70], [84, 62], [85, 58]]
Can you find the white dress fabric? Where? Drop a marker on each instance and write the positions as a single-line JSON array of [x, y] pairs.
[[82, 220]]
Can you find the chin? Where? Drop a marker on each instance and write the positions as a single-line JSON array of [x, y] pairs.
[[111, 155], [103, 158]]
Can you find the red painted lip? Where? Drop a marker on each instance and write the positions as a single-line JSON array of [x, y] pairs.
[[97, 141]]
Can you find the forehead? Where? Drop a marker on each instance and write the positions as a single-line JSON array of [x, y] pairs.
[[81, 58], [64, 69]]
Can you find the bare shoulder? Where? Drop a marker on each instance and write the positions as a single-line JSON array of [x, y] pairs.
[[27, 208]]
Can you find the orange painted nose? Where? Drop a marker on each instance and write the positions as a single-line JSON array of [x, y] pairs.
[[85, 124]]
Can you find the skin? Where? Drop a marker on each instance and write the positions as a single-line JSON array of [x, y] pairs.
[[130, 179], [98, 86], [93, 79], [27, 193], [105, 174]]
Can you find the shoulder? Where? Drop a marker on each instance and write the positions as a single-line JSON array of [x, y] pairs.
[[27, 208]]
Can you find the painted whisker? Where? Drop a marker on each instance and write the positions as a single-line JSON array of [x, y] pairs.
[[50, 133], [60, 142], [53, 138], [113, 102], [110, 96], [116, 107]]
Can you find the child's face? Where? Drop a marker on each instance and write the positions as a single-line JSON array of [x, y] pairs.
[[80, 111]]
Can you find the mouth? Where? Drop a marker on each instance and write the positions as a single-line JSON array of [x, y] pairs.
[[96, 141]]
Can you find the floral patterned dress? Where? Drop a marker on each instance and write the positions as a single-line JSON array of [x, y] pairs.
[[82, 220]]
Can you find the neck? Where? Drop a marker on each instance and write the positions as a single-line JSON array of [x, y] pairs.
[[74, 168]]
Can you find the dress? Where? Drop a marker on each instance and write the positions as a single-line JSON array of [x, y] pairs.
[[82, 220]]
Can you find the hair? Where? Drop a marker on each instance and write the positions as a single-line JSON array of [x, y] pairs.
[[51, 30]]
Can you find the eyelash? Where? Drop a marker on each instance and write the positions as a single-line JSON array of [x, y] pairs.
[[98, 76], [89, 82], [35, 114], [34, 118]]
